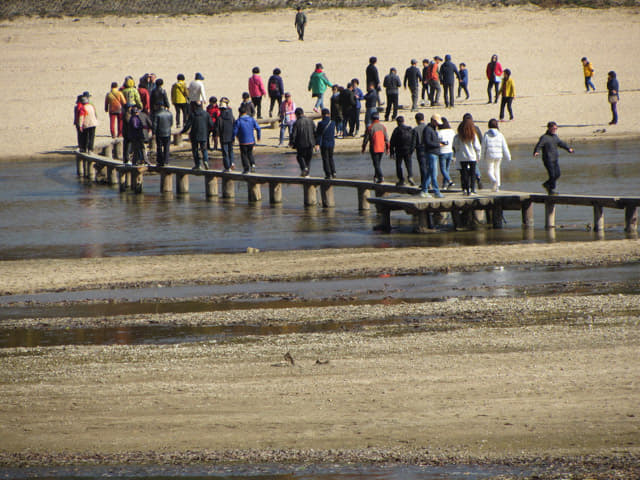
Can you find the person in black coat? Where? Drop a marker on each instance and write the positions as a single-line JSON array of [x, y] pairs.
[[549, 143], [199, 124], [224, 131], [448, 75], [401, 147], [373, 77], [348, 106]]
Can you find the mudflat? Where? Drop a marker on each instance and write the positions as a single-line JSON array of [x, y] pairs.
[[534, 380]]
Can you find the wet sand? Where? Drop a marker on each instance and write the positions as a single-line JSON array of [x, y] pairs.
[[498, 380]]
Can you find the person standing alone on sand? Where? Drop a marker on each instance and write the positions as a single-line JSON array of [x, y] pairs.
[[549, 143], [588, 70], [300, 23], [614, 95]]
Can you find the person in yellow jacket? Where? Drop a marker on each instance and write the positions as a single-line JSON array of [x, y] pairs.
[[180, 99], [508, 92], [131, 93], [588, 70]]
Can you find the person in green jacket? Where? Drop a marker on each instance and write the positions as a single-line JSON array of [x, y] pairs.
[[318, 83]]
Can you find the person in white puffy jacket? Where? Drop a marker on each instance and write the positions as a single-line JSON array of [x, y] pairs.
[[494, 150]]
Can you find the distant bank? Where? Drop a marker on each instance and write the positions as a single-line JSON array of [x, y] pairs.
[[74, 8]]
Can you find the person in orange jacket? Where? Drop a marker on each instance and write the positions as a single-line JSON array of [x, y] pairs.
[[378, 139]]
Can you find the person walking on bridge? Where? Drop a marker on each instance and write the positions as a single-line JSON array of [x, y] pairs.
[[303, 139], [548, 144]]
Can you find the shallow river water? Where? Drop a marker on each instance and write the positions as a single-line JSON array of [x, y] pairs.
[[49, 212]]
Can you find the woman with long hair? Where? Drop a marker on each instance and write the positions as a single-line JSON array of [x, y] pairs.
[[467, 148]]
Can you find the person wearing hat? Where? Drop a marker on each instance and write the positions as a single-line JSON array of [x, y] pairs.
[[432, 145], [130, 92], [433, 76], [401, 146], [303, 139], [224, 131], [413, 79], [318, 83], [199, 125], [448, 75], [196, 90], [378, 140], [87, 121], [275, 87]]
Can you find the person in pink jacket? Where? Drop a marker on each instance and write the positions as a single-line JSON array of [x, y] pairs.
[[257, 90]]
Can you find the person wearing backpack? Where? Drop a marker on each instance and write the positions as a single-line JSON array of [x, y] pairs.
[[275, 88], [401, 148]]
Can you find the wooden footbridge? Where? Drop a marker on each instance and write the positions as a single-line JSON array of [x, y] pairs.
[[486, 207]]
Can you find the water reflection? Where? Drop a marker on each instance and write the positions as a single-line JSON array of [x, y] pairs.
[[57, 215]]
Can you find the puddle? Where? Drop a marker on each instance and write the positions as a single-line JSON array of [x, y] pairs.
[[271, 472]]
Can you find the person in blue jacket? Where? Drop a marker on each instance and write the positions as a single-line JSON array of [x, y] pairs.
[[275, 89], [325, 139], [243, 129]]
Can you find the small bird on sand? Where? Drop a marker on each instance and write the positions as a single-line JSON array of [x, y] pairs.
[[289, 358]]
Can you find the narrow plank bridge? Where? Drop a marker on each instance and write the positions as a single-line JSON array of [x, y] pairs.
[[486, 207]]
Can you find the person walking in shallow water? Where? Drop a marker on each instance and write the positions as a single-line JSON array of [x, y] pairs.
[[549, 143]]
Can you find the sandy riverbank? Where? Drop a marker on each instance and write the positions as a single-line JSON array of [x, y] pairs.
[[47, 62], [499, 380]]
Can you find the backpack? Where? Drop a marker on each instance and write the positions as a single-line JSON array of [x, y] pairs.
[[273, 84], [405, 137]]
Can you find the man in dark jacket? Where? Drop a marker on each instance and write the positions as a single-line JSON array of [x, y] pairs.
[[418, 145], [275, 89], [391, 84], [199, 125], [401, 148], [432, 151], [303, 139], [224, 131], [159, 97], [325, 139], [413, 79], [347, 106], [448, 75], [549, 143], [162, 123], [373, 77]]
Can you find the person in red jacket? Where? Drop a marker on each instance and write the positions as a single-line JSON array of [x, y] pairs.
[[378, 140], [257, 90], [214, 112], [494, 75]]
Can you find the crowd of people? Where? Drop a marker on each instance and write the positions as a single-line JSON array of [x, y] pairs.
[[142, 113]]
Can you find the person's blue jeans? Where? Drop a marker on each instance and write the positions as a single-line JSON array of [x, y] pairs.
[[285, 127], [196, 148], [432, 174], [589, 84], [319, 102], [367, 116], [445, 161], [227, 155]]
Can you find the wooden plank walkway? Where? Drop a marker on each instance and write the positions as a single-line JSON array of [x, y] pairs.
[[464, 210], [492, 204]]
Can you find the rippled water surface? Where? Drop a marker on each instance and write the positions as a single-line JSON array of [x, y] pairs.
[[49, 212]]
